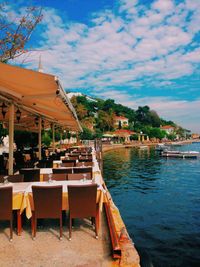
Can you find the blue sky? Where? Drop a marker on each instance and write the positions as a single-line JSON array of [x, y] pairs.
[[138, 52]]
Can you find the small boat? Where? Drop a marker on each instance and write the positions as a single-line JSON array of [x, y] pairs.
[[180, 154], [161, 147]]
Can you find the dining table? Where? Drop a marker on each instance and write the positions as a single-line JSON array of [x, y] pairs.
[[23, 198]]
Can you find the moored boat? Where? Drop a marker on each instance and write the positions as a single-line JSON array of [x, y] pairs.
[[180, 154], [161, 147]]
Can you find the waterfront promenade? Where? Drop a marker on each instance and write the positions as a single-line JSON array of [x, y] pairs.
[[108, 147]]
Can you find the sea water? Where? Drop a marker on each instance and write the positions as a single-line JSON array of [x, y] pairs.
[[159, 200]]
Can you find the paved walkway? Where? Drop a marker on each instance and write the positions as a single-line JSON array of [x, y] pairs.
[[47, 250]]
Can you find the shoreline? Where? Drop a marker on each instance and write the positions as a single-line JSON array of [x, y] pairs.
[[108, 147]]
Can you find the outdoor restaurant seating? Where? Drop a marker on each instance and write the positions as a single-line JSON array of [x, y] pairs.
[[73, 157], [47, 204], [68, 164], [85, 158], [55, 176], [6, 207], [82, 204], [62, 170], [83, 163], [15, 178], [69, 160], [30, 174], [83, 170], [79, 176], [44, 163]]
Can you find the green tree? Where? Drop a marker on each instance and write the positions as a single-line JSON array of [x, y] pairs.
[[171, 136], [86, 134], [46, 139], [81, 111], [154, 132], [98, 133], [105, 121], [134, 137], [108, 104], [154, 119], [142, 114]]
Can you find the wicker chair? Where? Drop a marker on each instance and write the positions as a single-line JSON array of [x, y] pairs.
[[30, 175], [15, 178], [56, 177], [79, 176], [82, 204], [47, 204], [6, 207], [68, 164], [45, 163], [86, 159], [83, 170], [83, 163], [63, 170]]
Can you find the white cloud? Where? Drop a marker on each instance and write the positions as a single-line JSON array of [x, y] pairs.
[[165, 6], [135, 46], [108, 48]]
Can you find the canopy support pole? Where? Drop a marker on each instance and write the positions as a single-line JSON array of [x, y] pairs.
[[61, 138], [53, 136], [40, 137], [11, 138]]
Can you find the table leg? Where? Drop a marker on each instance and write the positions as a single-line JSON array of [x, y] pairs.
[[19, 223]]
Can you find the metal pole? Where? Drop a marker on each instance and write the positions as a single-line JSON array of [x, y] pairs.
[[40, 137], [53, 136], [11, 138]]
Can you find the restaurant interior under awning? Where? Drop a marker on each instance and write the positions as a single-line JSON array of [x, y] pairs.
[[32, 101]]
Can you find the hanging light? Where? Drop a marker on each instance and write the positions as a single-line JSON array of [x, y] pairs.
[[18, 115], [3, 109]]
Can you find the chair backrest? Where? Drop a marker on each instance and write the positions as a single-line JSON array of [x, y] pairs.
[[73, 157], [82, 200], [45, 163], [79, 176], [30, 174], [56, 177], [47, 201], [85, 158], [6, 203], [63, 170], [41, 163], [83, 170], [83, 163], [68, 164], [16, 178], [69, 160], [75, 154]]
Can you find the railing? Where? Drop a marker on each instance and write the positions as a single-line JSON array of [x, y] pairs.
[[98, 148]]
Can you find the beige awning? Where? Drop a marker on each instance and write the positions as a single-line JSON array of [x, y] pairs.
[[36, 94]]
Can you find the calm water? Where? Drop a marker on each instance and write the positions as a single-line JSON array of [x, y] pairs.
[[159, 200]]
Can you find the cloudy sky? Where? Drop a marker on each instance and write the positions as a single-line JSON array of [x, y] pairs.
[[137, 52]]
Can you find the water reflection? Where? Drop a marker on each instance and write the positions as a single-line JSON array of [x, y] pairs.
[[159, 202]]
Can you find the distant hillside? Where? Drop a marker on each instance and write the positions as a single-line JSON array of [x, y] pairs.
[[98, 116]]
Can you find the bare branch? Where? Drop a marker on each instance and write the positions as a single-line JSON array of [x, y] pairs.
[[15, 35]]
